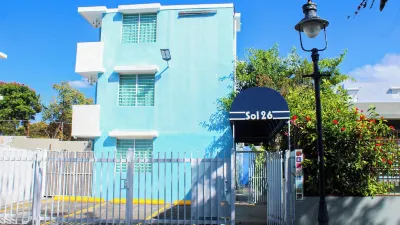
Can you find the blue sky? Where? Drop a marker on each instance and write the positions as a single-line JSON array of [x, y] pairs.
[[40, 37]]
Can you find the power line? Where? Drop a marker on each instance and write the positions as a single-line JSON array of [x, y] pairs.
[[28, 121]]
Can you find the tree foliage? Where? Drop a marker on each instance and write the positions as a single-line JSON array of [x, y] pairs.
[[40, 130], [353, 140], [19, 103], [59, 112]]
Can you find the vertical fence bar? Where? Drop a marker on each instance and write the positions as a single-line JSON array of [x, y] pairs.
[[178, 197], [184, 187], [94, 168], [12, 187], [129, 187], [165, 188], [210, 190], [121, 185], [101, 183], [172, 200], [204, 187], [225, 186], [158, 187], [197, 189], [191, 185], [6, 187], [37, 198], [232, 185], [114, 188], [108, 184], [151, 188], [74, 181]]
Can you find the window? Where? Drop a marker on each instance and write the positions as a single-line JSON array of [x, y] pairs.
[[139, 28], [136, 90], [143, 149]]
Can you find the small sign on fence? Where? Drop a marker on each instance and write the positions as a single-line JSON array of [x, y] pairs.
[[299, 174]]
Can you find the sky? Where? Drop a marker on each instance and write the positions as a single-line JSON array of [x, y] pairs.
[[40, 37]]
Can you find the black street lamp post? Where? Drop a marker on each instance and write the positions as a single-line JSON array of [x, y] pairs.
[[311, 25]]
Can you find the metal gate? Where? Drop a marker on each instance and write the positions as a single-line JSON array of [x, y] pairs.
[[251, 177], [267, 178], [280, 184]]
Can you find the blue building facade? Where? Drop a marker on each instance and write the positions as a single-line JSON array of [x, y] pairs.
[[144, 103]]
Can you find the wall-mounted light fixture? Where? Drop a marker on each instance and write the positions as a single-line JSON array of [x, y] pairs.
[[166, 55]]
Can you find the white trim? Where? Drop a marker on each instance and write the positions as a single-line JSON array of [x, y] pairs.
[[90, 74], [143, 69], [133, 134], [394, 88], [114, 10], [238, 24], [280, 111], [199, 6], [237, 112], [238, 119], [94, 135], [353, 89], [91, 14], [139, 8]]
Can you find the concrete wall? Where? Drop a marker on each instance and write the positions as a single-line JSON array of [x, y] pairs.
[[381, 210], [22, 142]]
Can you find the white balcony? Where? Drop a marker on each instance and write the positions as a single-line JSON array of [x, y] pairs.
[[86, 121], [89, 60]]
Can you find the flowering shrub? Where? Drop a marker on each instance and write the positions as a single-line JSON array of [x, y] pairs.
[[358, 145]]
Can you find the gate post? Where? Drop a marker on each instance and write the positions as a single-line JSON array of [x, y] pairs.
[[128, 186], [37, 191], [232, 180]]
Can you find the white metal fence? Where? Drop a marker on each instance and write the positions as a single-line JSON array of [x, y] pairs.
[[180, 188], [68, 187]]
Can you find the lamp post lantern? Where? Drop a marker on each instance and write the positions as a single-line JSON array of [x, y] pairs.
[[311, 25]]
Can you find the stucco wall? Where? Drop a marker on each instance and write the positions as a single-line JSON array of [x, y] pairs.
[[351, 210], [22, 142], [185, 93], [185, 113]]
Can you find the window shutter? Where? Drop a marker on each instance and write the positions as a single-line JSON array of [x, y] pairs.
[[127, 90], [148, 28], [130, 28], [139, 28], [143, 150], [145, 90]]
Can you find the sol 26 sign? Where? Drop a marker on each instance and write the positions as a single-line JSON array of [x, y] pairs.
[[259, 115]]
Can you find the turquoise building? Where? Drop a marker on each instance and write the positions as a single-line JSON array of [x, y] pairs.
[[149, 102]]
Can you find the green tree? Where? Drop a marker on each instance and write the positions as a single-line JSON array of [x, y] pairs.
[[39, 130], [352, 158], [59, 112], [20, 103]]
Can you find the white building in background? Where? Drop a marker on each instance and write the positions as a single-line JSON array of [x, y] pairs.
[[385, 96]]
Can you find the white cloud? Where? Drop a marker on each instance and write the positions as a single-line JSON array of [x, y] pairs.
[[387, 70], [82, 83]]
